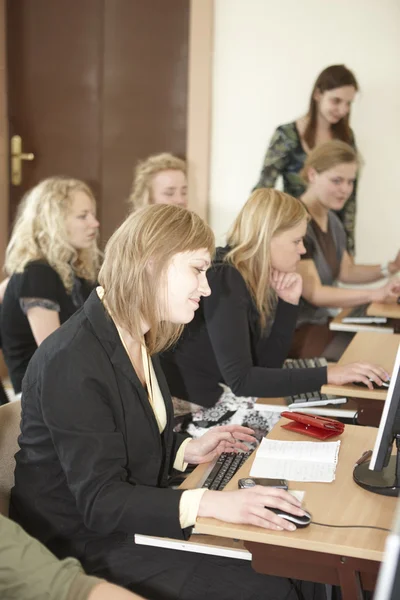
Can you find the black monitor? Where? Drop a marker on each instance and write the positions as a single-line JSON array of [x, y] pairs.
[[382, 473], [388, 584]]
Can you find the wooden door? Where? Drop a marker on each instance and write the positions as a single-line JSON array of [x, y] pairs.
[[93, 86]]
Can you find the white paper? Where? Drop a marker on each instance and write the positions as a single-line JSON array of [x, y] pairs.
[[296, 461]]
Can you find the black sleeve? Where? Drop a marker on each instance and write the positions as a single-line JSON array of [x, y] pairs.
[[93, 454], [272, 351], [39, 280], [225, 312]]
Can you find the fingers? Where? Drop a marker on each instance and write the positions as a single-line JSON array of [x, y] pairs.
[[262, 517], [277, 496]]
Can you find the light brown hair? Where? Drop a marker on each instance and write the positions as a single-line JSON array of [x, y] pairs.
[[149, 236], [331, 78], [144, 173], [327, 156], [266, 213]]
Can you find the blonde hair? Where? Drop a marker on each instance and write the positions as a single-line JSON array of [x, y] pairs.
[[149, 236], [327, 156], [40, 232], [266, 214], [144, 173]]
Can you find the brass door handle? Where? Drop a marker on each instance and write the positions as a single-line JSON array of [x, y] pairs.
[[17, 156]]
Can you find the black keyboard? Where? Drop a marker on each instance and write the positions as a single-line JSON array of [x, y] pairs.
[[310, 399], [227, 465], [359, 314]]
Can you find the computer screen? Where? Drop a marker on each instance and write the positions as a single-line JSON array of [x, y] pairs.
[[381, 474]]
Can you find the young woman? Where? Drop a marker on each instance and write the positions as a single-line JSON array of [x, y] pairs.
[[328, 117], [97, 441], [160, 179], [242, 333], [329, 172], [52, 260]]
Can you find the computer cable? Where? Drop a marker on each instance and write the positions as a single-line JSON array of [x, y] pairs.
[[350, 526]]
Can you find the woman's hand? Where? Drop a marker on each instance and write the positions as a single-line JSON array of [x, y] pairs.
[[250, 507], [227, 438], [288, 286], [390, 290], [340, 375]]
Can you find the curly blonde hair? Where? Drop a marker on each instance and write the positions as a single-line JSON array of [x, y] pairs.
[[145, 171], [267, 213], [40, 232]]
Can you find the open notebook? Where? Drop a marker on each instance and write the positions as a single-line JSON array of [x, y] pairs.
[[296, 461]]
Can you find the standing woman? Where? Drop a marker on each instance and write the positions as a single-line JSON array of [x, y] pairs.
[[242, 332], [330, 171], [160, 179], [52, 260], [328, 118]]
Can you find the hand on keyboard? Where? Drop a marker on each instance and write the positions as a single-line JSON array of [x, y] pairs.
[[226, 438], [363, 372], [250, 507]]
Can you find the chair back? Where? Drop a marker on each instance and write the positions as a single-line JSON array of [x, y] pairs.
[[10, 427]]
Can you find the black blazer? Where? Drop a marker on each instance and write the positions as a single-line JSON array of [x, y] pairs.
[[92, 462]]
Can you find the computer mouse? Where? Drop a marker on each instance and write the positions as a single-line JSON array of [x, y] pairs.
[[298, 521], [385, 384]]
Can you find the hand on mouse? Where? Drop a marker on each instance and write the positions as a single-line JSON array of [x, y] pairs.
[[360, 371], [249, 507]]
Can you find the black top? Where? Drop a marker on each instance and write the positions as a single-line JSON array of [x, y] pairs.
[[38, 280], [224, 343], [92, 462]]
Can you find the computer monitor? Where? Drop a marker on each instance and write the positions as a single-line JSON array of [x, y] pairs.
[[388, 584], [382, 473]]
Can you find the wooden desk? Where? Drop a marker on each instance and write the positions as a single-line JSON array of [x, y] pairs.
[[391, 310], [337, 325], [368, 347], [346, 557]]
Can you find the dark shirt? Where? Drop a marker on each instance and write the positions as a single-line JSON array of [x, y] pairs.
[[224, 344], [286, 156], [92, 466], [326, 249], [38, 280]]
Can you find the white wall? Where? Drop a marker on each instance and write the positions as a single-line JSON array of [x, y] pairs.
[[267, 55]]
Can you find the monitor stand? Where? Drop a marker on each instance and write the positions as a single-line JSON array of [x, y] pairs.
[[385, 482]]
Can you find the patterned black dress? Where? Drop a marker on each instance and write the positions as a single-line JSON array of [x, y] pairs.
[[286, 156]]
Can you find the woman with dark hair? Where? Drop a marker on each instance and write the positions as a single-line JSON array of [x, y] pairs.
[[328, 118]]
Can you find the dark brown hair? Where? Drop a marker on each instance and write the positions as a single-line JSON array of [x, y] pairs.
[[335, 76]]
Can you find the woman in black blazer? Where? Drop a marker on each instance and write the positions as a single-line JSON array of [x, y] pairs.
[[97, 441]]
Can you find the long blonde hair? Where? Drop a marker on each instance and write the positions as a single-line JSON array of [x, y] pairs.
[[266, 213], [40, 232], [149, 236], [144, 173], [327, 156]]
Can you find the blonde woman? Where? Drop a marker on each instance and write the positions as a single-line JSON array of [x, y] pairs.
[[160, 179], [242, 333], [330, 172], [52, 260], [98, 410]]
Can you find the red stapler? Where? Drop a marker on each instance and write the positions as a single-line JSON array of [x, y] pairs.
[[321, 428]]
